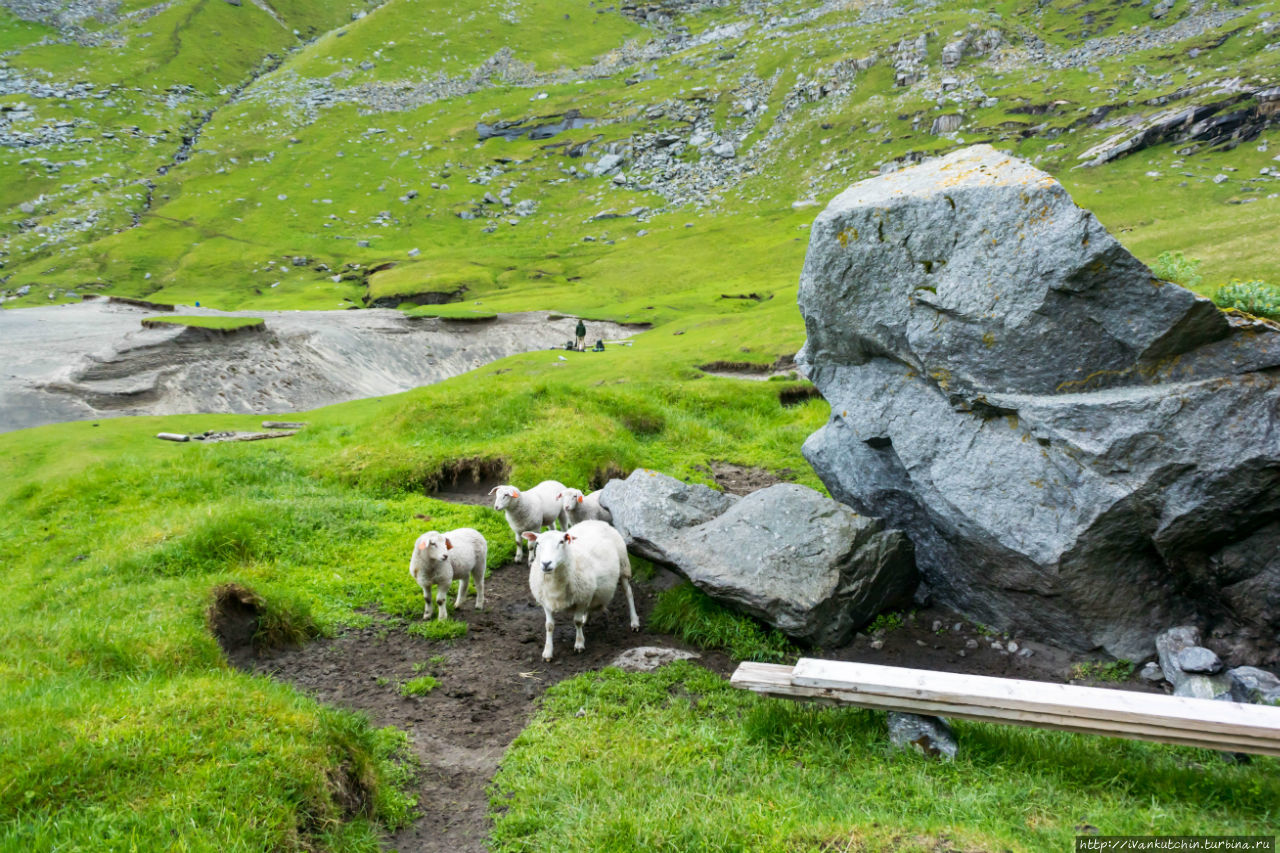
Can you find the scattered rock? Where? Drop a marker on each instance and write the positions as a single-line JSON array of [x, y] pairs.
[[1168, 647], [1250, 684], [649, 658], [929, 736], [1198, 659], [1152, 672]]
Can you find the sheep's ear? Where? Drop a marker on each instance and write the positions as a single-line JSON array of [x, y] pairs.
[[560, 496], [447, 544], [422, 546], [529, 536], [494, 489]]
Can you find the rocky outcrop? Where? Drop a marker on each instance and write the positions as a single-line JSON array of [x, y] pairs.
[[785, 554], [1078, 450]]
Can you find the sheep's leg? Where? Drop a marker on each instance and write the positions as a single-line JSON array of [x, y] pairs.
[[551, 626], [579, 640], [520, 549], [442, 595], [426, 602], [478, 576], [631, 605], [462, 592]]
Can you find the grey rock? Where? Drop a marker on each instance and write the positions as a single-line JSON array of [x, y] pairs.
[[1250, 684], [413, 253], [946, 124], [1220, 179], [649, 658], [1161, 8], [1076, 449], [1199, 660], [725, 149], [1168, 646], [648, 507], [1152, 672], [784, 554], [927, 735]]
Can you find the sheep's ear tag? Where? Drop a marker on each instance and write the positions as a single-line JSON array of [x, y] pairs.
[[422, 546], [448, 545], [568, 538], [579, 498], [515, 493]]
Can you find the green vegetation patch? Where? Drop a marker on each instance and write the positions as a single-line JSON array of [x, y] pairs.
[[221, 324], [613, 761], [420, 686], [438, 629], [697, 618]]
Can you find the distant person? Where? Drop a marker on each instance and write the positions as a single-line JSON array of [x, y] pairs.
[[581, 332]]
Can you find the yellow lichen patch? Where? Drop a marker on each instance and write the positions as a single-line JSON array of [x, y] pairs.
[[846, 235], [988, 339]]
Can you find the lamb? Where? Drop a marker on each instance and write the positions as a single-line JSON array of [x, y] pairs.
[[577, 570], [579, 507], [532, 510], [440, 558]]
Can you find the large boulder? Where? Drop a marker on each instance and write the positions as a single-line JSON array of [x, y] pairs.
[[1079, 450], [792, 558]]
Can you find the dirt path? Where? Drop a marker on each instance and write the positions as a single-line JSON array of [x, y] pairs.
[[489, 682]]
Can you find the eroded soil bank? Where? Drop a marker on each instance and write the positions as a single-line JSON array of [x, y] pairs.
[[94, 359]]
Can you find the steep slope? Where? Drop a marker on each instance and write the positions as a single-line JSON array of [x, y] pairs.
[[570, 155]]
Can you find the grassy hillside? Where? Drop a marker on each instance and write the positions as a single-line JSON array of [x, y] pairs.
[[315, 155], [201, 174]]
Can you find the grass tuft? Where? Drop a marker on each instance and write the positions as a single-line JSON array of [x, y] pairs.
[[438, 629], [420, 686], [695, 617]]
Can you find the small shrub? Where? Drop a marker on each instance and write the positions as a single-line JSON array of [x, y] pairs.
[[692, 615], [1253, 297], [439, 629], [885, 622], [1178, 268], [1098, 670], [420, 686]]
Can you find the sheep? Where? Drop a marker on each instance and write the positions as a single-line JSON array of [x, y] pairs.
[[579, 507], [440, 558], [577, 570], [532, 510]]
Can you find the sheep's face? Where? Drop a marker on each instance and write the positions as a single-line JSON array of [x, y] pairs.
[[550, 549], [570, 498], [437, 547], [504, 495]]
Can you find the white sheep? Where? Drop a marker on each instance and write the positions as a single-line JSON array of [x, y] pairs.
[[441, 558], [579, 507], [530, 510], [577, 571]]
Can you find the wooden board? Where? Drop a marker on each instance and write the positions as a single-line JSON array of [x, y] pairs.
[[775, 680], [1114, 706]]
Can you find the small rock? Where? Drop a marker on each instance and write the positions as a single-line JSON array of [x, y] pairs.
[[1151, 672], [937, 626], [1011, 646], [1219, 179], [1198, 659], [649, 658], [413, 253], [927, 735], [970, 643], [877, 644]]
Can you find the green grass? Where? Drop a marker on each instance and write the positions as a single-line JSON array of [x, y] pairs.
[[1115, 671], [696, 618], [420, 686], [438, 629], [613, 761], [224, 324]]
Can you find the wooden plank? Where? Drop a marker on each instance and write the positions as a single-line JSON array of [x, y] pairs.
[[1198, 716], [774, 680]]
